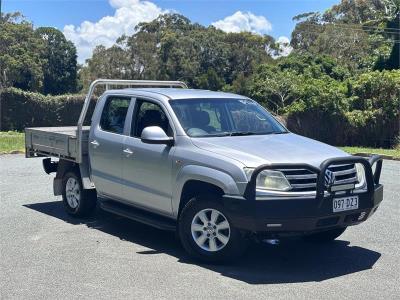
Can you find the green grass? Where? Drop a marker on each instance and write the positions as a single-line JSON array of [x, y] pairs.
[[12, 141], [391, 152]]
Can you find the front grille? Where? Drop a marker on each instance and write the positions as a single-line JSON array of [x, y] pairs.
[[303, 180], [344, 174]]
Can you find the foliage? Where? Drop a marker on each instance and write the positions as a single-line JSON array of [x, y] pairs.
[[209, 80], [39, 60], [20, 61], [105, 63], [58, 62], [273, 87], [173, 48], [393, 29], [377, 92], [20, 109], [357, 110], [356, 33]]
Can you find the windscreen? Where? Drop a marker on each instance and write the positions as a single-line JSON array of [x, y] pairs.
[[224, 117]]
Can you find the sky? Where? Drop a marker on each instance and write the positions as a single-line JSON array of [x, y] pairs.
[[92, 22]]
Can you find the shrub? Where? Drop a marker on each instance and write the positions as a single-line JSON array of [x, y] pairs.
[[20, 109], [361, 111]]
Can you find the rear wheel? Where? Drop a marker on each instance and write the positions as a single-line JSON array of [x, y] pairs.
[[324, 236], [207, 233], [77, 201]]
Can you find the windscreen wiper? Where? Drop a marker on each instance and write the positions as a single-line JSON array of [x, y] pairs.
[[214, 135], [240, 133], [280, 132]]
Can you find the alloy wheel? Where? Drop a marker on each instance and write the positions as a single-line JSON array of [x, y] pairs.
[[210, 230]]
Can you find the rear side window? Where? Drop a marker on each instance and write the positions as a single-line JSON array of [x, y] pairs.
[[114, 114]]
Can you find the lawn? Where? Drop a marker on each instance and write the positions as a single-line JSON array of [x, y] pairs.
[[11, 141], [390, 152]]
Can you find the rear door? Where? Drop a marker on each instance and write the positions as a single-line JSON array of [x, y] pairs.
[[106, 145], [147, 168]]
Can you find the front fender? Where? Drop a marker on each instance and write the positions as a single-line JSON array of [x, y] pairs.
[[205, 174]]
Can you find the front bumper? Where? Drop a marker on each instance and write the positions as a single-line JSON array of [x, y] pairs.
[[305, 215]]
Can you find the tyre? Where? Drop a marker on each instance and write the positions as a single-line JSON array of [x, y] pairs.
[[207, 233], [77, 201], [324, 236]]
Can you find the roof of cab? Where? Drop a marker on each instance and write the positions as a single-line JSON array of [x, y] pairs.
[[176, 93]]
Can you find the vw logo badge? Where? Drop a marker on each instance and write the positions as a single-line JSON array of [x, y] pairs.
[[329, 178]]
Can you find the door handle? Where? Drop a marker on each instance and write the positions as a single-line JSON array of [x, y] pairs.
[[128, 152], [95, 143]]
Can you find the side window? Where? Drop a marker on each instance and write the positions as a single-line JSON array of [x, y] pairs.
[[149, 114], [114, 114]]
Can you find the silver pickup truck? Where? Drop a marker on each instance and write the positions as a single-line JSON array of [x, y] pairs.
[[215, 167]]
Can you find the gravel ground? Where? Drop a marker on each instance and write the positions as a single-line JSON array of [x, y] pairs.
[[46, 254]]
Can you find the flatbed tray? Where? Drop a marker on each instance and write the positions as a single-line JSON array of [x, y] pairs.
[[55, 141]]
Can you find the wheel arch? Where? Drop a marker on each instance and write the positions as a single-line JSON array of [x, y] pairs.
[[63, 167], [193, 179], [81, 170]]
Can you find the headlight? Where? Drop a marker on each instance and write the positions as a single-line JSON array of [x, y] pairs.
[[360, 176], [269, 180]]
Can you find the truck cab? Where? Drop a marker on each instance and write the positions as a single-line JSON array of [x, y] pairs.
[[215, 167]]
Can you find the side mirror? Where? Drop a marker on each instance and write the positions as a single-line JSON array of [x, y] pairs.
[[155, 135]]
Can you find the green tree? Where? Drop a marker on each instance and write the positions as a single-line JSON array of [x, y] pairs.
[[273, 87], [59, 62], [20, 59], [353, 32], [113, 62], [210, 80], [377, 91], [172, 48], [314, 65], [240, 85], [361, 11], [246, 51], [393, 26], [160, 49]]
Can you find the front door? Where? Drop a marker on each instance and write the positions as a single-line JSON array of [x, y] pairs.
[[106, 145], [147, 167]]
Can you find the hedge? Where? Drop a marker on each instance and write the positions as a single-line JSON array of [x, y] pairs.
[[20, 109], [374, 129]]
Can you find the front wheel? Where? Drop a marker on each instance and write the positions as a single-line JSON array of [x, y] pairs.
[[78, 202], [207, 233], [324, 236]]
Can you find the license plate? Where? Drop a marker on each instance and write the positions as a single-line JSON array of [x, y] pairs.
[[346, 203]]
